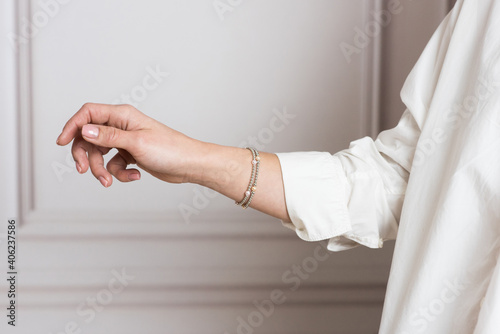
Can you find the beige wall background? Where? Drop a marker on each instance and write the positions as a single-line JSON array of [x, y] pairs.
[[404, 40], [156, 258]]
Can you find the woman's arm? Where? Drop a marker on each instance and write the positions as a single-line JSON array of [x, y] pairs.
[[168, 155], [227, 170]]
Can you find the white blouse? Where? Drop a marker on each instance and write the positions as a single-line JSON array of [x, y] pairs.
[[433, 181]]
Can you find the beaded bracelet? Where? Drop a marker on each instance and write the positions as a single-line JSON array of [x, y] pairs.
[[252, 185]]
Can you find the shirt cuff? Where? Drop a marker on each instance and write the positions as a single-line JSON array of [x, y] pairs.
[[323, 204], [315, 193]]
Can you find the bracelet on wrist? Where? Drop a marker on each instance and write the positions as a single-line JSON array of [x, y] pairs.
[[252, 185]]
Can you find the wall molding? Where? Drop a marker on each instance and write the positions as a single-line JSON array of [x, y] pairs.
[[371, 73], [209, 297], [86, 267], [25, 128], [9, 135]]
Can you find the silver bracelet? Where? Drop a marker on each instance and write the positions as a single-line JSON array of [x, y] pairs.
[[252, 185]]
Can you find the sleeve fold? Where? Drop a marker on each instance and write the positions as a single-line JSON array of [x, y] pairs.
[[353, 197]]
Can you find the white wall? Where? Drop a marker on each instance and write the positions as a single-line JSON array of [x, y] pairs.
[[226, 81]]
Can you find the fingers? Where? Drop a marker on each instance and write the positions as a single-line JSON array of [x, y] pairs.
[[107, 136], [79, 151], [117, 166], [96, 163], [95, 129], [90, 156], [121, 116]]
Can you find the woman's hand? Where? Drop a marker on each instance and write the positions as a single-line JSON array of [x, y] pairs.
[[159, 150], [168, 155]]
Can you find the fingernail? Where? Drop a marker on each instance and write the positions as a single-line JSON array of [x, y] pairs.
[[104, 182], [134, 177], [90, 131], [78, 168]]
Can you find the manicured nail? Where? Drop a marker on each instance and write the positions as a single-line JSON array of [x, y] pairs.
[[78, 168], [104, 182], [134, 177], [90, 131]]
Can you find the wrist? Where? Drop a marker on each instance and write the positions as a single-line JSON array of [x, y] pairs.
[[221, 167]]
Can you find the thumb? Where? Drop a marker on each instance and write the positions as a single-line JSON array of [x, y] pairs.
[[107, 136]]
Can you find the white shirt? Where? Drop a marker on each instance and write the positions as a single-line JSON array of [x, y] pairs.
[[433, 181]]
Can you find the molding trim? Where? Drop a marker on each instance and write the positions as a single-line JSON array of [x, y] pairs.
[[40, 225], [9, 136], [25, 116], [211, 296], [371, 75]]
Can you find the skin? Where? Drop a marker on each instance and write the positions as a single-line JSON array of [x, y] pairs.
[[167, 155]]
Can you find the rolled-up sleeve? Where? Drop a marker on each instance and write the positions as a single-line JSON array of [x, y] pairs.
[[353, 197]]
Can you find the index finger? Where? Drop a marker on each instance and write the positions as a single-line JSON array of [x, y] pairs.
[[93, 113]]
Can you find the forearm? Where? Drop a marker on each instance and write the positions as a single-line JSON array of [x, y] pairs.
[[168, 155], [227, 170]]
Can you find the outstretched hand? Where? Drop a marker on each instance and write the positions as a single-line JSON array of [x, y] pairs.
[[97, 128], [168, 155]]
